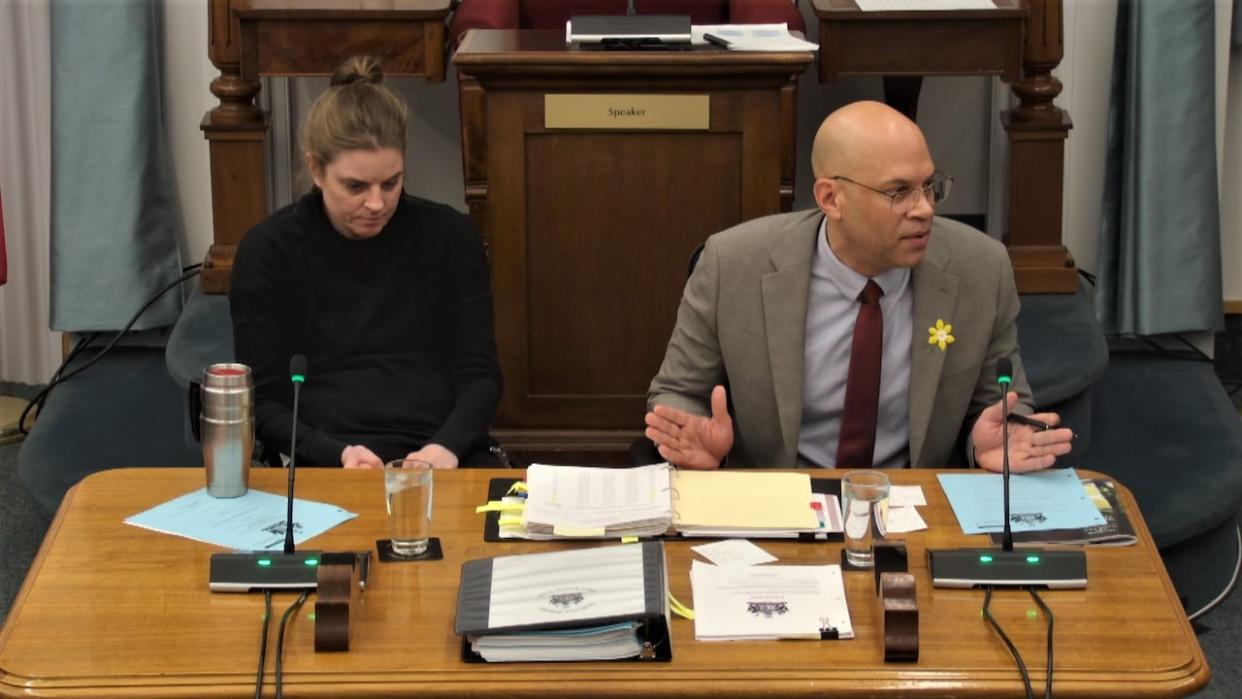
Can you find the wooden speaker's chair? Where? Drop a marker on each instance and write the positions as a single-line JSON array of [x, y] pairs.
[[552, 14]]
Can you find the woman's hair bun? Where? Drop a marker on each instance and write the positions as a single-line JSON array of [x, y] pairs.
[[359, 69]]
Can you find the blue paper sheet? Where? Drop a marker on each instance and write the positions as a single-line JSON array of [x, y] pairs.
[[252, 522], [1052, 499]]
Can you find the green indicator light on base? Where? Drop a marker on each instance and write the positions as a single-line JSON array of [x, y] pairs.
[[1032, 559], [985, 559], [264, 562], [315, 561]]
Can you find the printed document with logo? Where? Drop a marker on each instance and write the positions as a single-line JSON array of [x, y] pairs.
[[606, 603], [578, 501], [767, 602]]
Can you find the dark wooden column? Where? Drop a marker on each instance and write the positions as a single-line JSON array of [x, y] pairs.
[[235, 131], [1037, 131]]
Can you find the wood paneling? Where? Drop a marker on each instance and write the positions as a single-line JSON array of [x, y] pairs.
[[589, 230]]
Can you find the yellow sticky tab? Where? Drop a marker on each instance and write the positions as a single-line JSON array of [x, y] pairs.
[[519, 487], [629, 540], [678, 608], [511, 521], [499, 506], [562, 530]]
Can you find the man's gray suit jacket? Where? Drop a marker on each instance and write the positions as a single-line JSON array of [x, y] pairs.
[[743, 316]]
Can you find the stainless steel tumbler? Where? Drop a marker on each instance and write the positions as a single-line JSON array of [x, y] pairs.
[[227, 428]]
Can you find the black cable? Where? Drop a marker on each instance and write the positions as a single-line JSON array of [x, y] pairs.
[[1026, 677], [1047, 615], [60, 377], [280, 640], [267, 617]]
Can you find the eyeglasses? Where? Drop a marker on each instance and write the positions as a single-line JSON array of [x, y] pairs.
[[902, 200]]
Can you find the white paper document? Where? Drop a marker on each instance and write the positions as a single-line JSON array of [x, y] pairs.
[[906, 496], [901, 5], [735, 603], [252, 522], [903, 520], [733, 552], [752, 37]]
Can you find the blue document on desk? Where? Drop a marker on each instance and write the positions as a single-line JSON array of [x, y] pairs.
[[252, 522], [1052, 499]]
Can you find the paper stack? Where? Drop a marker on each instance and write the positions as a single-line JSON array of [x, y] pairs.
[[748, 603], [577, 501]]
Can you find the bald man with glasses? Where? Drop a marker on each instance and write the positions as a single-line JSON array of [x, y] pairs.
[[864, 333]]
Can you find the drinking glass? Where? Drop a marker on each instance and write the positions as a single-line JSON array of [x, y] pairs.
[[407, 492], [864, 504]]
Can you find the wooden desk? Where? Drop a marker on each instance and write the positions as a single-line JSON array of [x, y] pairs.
[[113, 610], [251, 38], [1019, 41]]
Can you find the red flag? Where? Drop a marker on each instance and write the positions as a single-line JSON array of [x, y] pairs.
[[4, 261]]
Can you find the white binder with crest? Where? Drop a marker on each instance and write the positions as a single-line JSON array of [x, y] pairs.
[[605, 603]]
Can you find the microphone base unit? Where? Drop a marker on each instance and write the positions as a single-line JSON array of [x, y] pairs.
[[969, 568], [263, 570]]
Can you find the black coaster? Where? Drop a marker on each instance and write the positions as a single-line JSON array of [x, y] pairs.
[[433, 552]]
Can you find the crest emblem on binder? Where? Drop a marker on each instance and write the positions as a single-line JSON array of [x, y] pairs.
[[566, 599], [767, 610]]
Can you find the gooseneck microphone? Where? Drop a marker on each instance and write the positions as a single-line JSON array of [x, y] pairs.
[[297, 375], [966, 568], [268, 569], [1004, 377]]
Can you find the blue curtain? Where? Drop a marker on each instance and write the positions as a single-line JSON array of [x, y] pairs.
[[1160, 237], [114, 220]]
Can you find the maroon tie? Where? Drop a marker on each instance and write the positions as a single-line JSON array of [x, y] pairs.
[[856, 447]]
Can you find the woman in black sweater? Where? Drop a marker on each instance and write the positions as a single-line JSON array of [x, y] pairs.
[[386, 294]]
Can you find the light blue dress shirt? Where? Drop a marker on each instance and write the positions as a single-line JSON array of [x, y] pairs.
[[832, 310]]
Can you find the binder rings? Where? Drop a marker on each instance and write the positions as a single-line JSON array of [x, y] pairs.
[[602, 603]]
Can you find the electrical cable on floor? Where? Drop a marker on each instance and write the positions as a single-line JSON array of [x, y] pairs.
[[60, 376], [267, 617], [280, 641], [1047, 615], [987, 615], [1228, 588]]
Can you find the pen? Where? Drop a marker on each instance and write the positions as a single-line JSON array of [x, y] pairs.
[[1037, 424], [713, 39]]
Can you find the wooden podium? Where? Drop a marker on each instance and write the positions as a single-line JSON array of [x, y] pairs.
[[592, 201]]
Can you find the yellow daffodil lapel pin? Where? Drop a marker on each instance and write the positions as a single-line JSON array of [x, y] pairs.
[[941, 334]]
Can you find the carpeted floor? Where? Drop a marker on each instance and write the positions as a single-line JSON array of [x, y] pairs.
[[22, 522], [22, 527]]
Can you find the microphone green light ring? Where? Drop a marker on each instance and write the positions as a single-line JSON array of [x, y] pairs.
[[297, 378]]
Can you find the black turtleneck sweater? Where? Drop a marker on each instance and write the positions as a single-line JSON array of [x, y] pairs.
[[397, 330]]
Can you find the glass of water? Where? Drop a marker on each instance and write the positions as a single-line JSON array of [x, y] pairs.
[[407, 492], [864, 504]]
